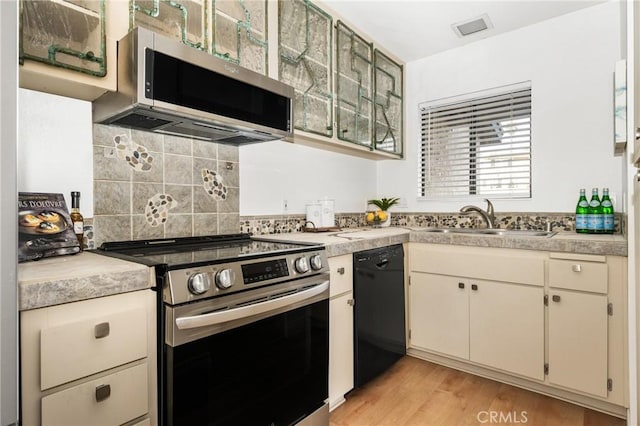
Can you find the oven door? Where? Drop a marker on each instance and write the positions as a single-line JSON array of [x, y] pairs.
[[267, 368]]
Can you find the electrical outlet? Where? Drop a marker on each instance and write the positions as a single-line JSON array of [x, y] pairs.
[[402, 203]]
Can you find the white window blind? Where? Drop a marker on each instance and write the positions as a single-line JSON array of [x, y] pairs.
[[478, 146]]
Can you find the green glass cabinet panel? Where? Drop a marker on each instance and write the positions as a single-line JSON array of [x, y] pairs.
[[305, 40], [184, 20], [388, 104], [354, 87], [239, 30], [65, 33]]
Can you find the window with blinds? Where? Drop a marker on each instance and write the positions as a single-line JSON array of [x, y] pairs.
[[477, 146]]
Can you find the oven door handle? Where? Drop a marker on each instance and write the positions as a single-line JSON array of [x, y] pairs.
[[214, 318]]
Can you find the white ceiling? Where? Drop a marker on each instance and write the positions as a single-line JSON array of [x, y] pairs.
[[414, 29]]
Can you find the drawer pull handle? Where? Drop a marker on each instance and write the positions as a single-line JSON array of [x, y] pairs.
[[460, 285], [555, 298], [101, 330], [103, 392], [576, 268], [341, 271], [351, 302], [474, 287]]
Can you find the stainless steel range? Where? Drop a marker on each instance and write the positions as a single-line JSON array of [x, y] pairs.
[[243, 329]]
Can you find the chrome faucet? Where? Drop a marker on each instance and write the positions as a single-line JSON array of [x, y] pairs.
[[488, 215]]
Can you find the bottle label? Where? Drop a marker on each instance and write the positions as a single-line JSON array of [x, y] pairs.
[[608, 222], [78, 227], [581, 221], [594, 203], [606, 203], [595, 222], [583, 203]]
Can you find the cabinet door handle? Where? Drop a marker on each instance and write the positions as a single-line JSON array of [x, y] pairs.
[[460, 285], [103, 392], [576, 268], [555, 298], [351, 302], [341, 271], [101, 330], [474, 287]]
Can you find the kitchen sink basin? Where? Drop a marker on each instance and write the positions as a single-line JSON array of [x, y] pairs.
[[491, 231]]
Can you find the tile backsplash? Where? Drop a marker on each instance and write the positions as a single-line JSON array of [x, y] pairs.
[[559, 222], [148, 185]]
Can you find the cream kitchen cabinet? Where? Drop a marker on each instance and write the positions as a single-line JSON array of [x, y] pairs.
[[91, 362], [340, 329], [550, 322], [506, 327], [439, 314], [72, 22], [579, 316], [473, 320]]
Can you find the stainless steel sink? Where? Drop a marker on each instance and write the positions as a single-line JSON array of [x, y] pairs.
[[493, 231]]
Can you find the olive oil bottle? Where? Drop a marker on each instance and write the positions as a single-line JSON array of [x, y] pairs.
[[76, 217]]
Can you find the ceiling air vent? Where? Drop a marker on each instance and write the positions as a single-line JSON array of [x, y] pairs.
[[475, 25]]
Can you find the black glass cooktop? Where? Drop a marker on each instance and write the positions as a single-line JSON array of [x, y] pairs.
[[174, 253]]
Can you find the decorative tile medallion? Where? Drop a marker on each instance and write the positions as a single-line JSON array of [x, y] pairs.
[[212, 183], [136, 155], [157, 209]]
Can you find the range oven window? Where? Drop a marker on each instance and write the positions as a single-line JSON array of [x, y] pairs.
[[264, 373]]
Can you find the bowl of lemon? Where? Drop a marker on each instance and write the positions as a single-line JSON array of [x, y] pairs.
[[381, 217]]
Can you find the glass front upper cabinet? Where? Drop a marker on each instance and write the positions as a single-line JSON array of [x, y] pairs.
[[354, 87], [237, 28], [388, 104], [65, 33], [305, 62], [239, 31], [183, 20]]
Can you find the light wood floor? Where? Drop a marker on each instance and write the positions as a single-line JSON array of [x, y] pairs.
[[417, 392]]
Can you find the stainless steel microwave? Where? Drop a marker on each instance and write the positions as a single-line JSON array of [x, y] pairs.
[[167, 87]]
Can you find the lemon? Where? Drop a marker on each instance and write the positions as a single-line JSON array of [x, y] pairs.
[[382, 215], [370, 217]]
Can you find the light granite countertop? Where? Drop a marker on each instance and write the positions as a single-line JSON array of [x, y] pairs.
[[352, 240], [64, 279]]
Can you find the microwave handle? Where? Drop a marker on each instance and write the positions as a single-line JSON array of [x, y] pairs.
[[214, 318]]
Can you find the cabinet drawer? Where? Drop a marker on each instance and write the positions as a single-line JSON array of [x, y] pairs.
[[110, 400], [578, 275], [74, 350], [341, 269]]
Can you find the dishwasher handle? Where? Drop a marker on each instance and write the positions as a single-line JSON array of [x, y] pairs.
[[382, 264]]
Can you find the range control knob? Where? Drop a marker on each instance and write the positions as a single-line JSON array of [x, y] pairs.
[[301, 264], [199, 283], [316, 262], [225, 278]]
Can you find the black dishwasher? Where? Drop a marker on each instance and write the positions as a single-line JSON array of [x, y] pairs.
[[378, 287]]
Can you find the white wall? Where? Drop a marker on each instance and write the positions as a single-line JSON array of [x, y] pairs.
[[570, 61], [55, 153], [276, 171], [8, 213]]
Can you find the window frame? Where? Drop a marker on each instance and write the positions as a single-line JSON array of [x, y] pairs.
[[473, 146]]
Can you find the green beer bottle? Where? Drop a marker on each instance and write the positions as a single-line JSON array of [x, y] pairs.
[[607, 212], [595, 223], [582, 210]]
